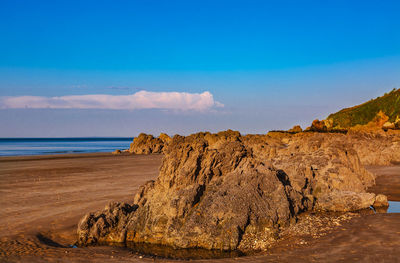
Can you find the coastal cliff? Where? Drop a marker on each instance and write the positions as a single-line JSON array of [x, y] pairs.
[[386, 106]]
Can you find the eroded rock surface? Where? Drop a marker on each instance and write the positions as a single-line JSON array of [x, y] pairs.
[[377, 148], [105, 226], [228, 191], [147, 144]]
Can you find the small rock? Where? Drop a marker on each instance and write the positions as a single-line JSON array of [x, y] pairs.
[[388, 125], [381, 201], [116, 152], [147, 144], [296, 129], [318, 126], [344, 201]]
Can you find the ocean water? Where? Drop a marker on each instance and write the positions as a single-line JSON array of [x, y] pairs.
[[40, 146]]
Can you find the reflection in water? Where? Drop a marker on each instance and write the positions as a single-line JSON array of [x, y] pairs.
[[394, 207], [381, 210], [171, 253]]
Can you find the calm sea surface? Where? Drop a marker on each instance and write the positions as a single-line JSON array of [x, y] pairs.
[[39, 146]]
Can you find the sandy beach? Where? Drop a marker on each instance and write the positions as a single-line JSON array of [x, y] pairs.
[[206, 131], [43, 198]]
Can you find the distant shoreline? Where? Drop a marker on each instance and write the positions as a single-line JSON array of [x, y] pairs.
[[65, 138], [49, 146]]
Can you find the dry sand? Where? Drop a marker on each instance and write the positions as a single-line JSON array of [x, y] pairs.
[[43, 197]]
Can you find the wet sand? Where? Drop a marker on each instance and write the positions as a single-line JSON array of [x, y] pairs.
[[42, 199], [387, 181]]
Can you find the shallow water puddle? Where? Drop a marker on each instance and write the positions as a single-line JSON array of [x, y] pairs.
[[166, 252], [394, 207]]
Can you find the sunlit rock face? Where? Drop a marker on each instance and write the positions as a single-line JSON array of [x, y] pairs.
[[147, 144], [377, 148], [228, 191]]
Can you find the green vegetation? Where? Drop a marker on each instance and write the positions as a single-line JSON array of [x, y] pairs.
[[364, 113]]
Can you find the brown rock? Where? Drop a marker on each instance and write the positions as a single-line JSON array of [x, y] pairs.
[[326, 161], [116, 152], [165, 138], [296, 129], [380, 119], [376, 148], [380, 201], [343, 201], [388, 125], [212, 193], [105, 226], [147, 144], [228, 191], [318, 126]]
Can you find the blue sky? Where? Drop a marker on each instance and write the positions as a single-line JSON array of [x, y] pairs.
[[272, 64]]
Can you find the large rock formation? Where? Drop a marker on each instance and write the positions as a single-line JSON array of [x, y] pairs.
[[227, 191], [324, 166], [147, 144], [327, 162]]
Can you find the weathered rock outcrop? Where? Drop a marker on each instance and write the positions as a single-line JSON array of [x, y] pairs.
[[147, 144], [107, 225], [318, 164], [376, 148], [212, 192], [227, 191]]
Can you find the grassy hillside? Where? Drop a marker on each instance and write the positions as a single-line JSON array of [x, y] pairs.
[[364, 113]]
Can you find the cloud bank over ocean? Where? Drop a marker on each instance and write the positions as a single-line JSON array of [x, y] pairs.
[[140, 100]]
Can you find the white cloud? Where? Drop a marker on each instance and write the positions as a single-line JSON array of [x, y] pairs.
[[139, 100]]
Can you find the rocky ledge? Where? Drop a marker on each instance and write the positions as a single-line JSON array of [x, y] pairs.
[[227, 191]]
